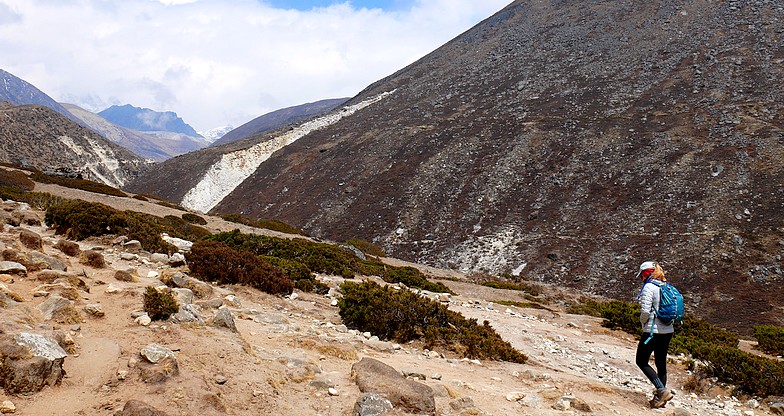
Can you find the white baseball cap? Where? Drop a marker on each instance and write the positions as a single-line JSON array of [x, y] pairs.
[[645, 266]]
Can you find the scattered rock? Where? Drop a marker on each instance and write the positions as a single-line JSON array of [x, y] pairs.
[[224, 319], [41, 261], [143, 320], [60, 310], [371, 404], [12, 267], [92, 258], [176, 260], [132, 246], [200, 289], [183, 246], [154, 353], [69, 248], [462, 403], [139, 408], [30, 362], [30, 239], [7, 407], [94, 309], [186, 313], [160, 258], [123, 276], [182, 295]]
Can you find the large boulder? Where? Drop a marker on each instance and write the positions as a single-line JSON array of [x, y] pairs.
[[28, 362], [373, 376], [30, 239]]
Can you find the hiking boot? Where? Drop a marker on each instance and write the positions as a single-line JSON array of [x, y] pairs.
[[661, 398]]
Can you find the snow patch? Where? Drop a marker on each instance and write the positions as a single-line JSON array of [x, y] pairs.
[[233, 168]]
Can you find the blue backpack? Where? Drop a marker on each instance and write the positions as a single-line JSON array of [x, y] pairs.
[[670, 304]]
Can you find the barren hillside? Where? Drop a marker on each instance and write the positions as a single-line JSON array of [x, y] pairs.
[[293, 355]]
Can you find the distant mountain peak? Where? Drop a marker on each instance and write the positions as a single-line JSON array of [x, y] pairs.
[[147, 120], [20, 92]]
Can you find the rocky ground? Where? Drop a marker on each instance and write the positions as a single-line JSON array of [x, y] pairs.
[[236, 351]]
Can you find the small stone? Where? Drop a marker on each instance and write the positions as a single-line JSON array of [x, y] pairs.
[[333, 391], [515, 396], [436, 376], [220, 380], [122, 374], [7, 407], [366, 335], [112, 288], [155, 353], [144, 320], [94, 309]]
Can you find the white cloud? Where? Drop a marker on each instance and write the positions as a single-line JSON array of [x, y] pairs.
[[217, 62]]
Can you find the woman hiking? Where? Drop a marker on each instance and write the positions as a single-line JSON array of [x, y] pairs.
[[656, 335]]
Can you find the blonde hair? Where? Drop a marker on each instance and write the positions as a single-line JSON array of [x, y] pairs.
[[658, 273]]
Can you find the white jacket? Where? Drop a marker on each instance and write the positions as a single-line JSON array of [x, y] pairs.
[[650, 295]]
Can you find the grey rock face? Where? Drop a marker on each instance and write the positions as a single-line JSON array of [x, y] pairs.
[[224, 319]]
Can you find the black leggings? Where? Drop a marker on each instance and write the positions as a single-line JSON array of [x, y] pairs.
[[658, 345]]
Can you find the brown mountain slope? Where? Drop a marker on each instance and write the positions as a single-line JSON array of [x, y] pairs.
[[37, 136], [567, 141]]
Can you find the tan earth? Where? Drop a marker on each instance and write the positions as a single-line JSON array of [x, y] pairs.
[[293, 356]]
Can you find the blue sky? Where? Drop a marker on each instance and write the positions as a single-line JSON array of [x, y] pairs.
[[221, 62]]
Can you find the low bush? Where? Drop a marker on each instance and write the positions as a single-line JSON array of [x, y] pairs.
[[366, 247], [404, 316], [412, 277], [170, 205], [78, 219], [82, 184], [194, 219], [268, 224], [513, 286], [16, 181], [326, 258], [215, 261], [159, 304], [770, 339], [753, 374]]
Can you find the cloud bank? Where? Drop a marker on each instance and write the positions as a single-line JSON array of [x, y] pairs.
[[218, 62]]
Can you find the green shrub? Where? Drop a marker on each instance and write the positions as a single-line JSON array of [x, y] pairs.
[[16, 181], [366, 247], [268, 224], [159, 304], [170, 205], [79, 219], [82, 184], [293, 269], [325, 258], [194, 219], [753, 374], [770, 338], [403, 316], [216, 261], [694, 332], [412, 277], [277, 225], [513, 286], [318, 257]]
